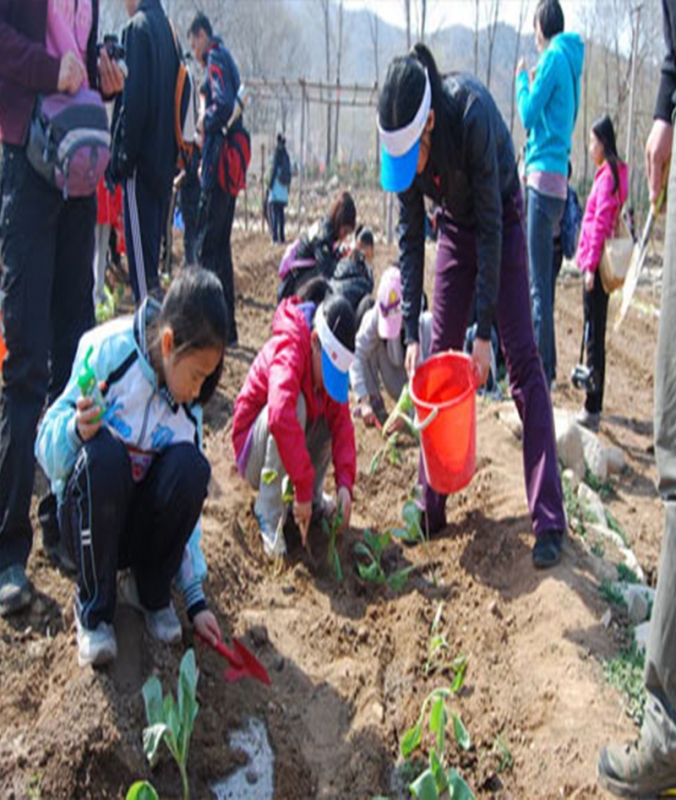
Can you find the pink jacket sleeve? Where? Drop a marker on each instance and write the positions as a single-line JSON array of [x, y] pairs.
[[602, 226], [284, 388]]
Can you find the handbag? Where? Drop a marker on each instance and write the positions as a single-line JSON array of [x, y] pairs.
[[617, 252], [69, 141]]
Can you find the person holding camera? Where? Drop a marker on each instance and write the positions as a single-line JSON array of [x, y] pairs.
[[145, 151], [46, 49], [607, 196]]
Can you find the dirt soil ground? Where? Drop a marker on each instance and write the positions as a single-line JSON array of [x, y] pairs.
[[347, 660]]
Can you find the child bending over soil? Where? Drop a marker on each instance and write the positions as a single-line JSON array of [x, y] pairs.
[[380, 353], [128, 467], [292, 416]]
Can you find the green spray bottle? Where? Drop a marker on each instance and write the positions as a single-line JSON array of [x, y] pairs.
[[89, 385]]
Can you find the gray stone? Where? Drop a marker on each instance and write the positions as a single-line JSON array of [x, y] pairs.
[[569, 443], [637, 608], [604, 532], [615, 460], [592, 504], [571, 477], [595, 454], [510, 419], [642, 635]]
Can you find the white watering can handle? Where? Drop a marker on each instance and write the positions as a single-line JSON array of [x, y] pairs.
[[420, 426]]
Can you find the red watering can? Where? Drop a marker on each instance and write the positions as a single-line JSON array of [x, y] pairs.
[[243, 663]]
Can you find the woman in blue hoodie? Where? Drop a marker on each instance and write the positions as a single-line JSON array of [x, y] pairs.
[[548, 106]]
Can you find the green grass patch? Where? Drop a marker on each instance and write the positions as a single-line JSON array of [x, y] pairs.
[[626, 575], [603, 488], [625, 673], [611, 594], [598, 550], [615, 526], [574, 509]]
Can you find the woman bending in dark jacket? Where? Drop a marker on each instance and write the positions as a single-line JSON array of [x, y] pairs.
[[447, 141]]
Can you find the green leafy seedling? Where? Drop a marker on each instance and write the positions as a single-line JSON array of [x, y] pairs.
[[434, 782], [390, 450], [404, 411], [170, 721], [142, 790], [504, 755], [372, 571], [331, 530]]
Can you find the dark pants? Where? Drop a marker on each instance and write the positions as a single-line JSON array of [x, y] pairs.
[[145, 217], [189, 200], [216, 215], [557, 263], [544, 218], [277, 214], [108, 522], [454, 287], [595, 305], [47, 285]]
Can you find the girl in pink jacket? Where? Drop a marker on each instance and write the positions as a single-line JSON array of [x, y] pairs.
[[607, 196]]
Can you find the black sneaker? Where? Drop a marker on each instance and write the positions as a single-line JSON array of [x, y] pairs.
[[547, 549]]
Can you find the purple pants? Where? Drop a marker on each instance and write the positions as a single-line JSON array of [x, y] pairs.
[[453, 293]]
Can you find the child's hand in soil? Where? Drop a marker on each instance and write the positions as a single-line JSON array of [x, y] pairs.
[[207, 626], [302, 514], [84, 418], [345, 504], [367, 414]]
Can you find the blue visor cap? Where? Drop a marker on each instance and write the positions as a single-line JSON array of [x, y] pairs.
[[336, 383], [398, 172]]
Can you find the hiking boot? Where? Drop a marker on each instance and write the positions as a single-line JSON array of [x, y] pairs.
[[547, 549], [15, 591], [97, 646], [634, 771], [163, 625], [591, 420]]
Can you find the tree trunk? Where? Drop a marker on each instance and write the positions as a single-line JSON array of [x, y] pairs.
[[339, 56], [491, 30], [517, 50], [407, 12], [476, 37], [373, 26]]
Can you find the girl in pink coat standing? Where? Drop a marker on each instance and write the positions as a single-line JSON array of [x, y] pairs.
[[607, 196]]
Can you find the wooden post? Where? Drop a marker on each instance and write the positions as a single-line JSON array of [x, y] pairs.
[[263, 188], [301, 163]]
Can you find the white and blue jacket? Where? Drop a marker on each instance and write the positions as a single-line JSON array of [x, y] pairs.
[[139, 411]]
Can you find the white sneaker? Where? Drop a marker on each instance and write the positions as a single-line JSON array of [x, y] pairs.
[[96, 647], [326, 507], [163, 625], [274, 543]]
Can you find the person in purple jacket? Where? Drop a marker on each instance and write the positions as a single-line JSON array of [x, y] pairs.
[[47, 252]]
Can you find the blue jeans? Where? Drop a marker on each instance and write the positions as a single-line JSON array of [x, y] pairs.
[[544, 218]]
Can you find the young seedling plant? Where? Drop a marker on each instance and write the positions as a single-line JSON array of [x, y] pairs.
[[172, 721], [438, 650], [412, 533], [438, 780], [372, 570], [142, 790], [331, 530]]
